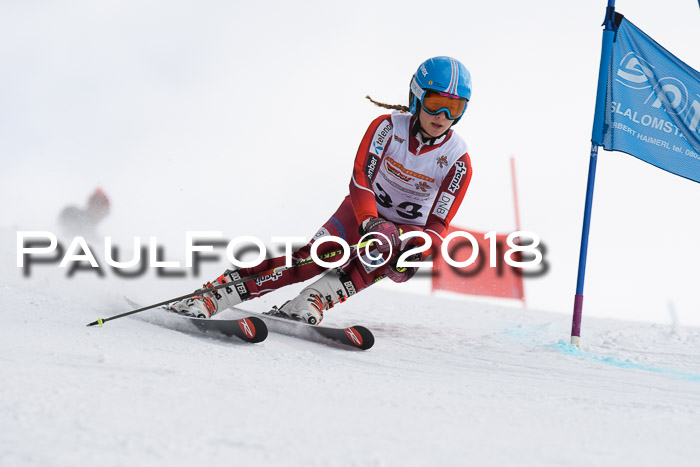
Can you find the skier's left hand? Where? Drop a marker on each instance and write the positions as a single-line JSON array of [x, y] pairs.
[[402, 274], [386, 229]]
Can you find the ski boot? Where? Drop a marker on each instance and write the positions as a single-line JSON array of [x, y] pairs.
[[208, 304], [311, 315], [197, 307], [334, 287]]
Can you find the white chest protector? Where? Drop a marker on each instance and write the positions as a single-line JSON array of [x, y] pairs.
[[406, 184]]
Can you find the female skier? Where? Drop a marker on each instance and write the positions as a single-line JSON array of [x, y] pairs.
[[411, 172]]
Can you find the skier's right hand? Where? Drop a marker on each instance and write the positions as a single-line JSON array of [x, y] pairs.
[[384, 227]]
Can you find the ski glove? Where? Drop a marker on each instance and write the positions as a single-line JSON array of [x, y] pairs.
[[402, 274], [384, 227]]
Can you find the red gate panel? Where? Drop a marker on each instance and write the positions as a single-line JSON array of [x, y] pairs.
[[479, 278]]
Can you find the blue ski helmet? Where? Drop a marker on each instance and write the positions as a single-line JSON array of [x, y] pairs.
[[441, 74]]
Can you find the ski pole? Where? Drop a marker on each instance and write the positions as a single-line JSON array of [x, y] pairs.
[[303, 262]]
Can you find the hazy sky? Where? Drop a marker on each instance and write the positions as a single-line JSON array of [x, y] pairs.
[[245, 117]]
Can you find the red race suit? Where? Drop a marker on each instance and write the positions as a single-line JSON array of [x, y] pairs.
[[398, 175]]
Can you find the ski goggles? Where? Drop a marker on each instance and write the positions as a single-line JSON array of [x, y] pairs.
[[434, 102]]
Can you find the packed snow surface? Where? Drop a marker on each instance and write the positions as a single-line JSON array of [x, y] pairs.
[[448, 382]]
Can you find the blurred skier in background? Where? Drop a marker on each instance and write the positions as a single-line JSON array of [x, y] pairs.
[[75, 221], [411, 172]]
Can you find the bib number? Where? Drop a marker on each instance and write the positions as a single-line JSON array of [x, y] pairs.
[[407, 209]]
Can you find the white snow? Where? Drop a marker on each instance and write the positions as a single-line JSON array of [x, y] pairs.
[[448, 382], [209, 118]]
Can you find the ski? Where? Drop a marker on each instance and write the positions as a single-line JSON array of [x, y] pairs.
[[355, 337], [255, 328], [250, 328]]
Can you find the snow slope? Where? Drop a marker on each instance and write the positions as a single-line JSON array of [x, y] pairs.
[[449, 382]]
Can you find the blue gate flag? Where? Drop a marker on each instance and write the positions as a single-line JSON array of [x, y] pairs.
[[652, 106]]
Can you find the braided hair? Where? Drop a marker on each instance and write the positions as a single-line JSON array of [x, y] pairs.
[[403, 108]]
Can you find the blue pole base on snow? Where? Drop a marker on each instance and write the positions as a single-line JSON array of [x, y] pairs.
[[596, 140], [578, 301]]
